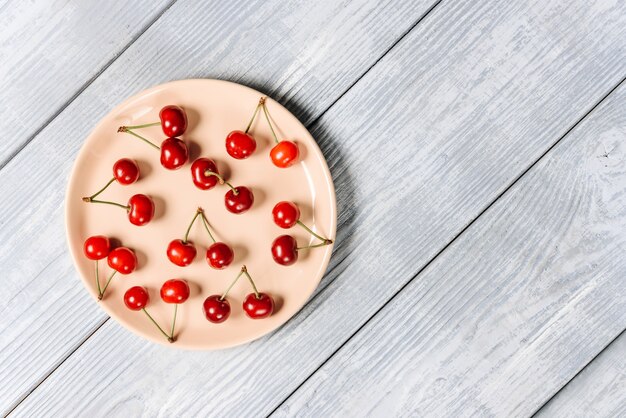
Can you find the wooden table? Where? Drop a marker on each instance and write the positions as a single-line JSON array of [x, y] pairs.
[[478, 150]]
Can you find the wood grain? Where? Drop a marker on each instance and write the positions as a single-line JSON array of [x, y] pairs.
[[304, 53], [418, 148], [51, 49], [598, 391], [514, 308]]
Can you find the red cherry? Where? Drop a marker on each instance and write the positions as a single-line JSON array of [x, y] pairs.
[[199, 170], [97, 247], [240, 145], [216, 309], [285, 250], [173, 120], [285, 154], [122, 260], [258, 306], [136, 298], [175, 291], [240, 202], [140, 209], [180, 252], [125, 171], [286, 214], [173, 153], [219, 255]]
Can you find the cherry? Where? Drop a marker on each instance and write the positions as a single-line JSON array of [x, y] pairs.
[[173, 120], [122, 260], [238, 199], [97, 247], [216, 309], [180, 252], [258, 305], [286, 214], [136, 298], [240, 145], [173, 153], [285, 250], [140, 209], [175, 291], [203, 173], [125, 171], [219, 255], [285, 154]]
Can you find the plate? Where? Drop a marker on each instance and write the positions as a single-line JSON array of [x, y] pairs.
[[214, 108]]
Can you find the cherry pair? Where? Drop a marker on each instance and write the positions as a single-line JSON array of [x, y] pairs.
[[241, 145], [285, 248], [174, 291], [173, 121], [206, 176], [182, 252], [140, 208], [121, 259], [256, 305]]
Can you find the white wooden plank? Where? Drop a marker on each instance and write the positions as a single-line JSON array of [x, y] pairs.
[[598, 391], [306, 53], [50, 49], [417, 148], [511, 310]]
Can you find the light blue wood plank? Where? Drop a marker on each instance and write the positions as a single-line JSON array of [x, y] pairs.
[[50, 50], [418, 148], [512, 310], [305, 53], [598, 391]]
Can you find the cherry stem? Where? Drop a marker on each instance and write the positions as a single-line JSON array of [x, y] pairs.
[[205, 221], [174, 322], [198, 212], [233, 283], [106, 285], [127, 130], [245, 271], [170, 339], [315, 246], [101, 190], [98, 280], [254, 114], [221, 180], [326, 240], [267, 116], [146, 125], [106, 202]]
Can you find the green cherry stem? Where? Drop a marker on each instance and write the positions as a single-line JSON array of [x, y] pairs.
[[244, 270], [315, 246], [146, 125], [269, 122], [106, 285], [233, 283], [127, 130], [326, 240], [98, 280], [170, 339], [254, 114], [205, 221], [198, 212], [101, 190], [221, 180], [106, 202], [174, 322]]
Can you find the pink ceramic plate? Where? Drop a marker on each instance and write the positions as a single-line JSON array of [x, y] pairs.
[[214, 108]]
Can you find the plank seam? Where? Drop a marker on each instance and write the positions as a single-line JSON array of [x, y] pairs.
[[80, 91], [578, 373], [456, 237]]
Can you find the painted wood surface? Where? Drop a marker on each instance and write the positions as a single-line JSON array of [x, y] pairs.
[[598, 391], [267, 45], [473, 96], [513, 309], [50, 50]]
